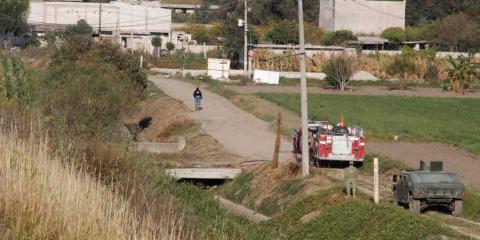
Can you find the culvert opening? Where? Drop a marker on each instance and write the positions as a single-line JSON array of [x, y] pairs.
[[206, 183]]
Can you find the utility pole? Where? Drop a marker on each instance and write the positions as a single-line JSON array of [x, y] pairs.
[[303, 89], [100, 19], [319, 13], [245, 47], [376, 184]]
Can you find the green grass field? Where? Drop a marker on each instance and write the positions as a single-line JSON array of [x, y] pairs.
[[447, 120]]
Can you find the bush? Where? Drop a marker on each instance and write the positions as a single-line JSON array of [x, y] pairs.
[[432, 72], [463, 72], [471, 207], [202, 33], [240, 188], [14, 84], [283, 32], [395, 35], [76, 42], [85, 99], [110, 53], [157, 42], [339, 69], [366, 220], [339, 38], [401, 66]]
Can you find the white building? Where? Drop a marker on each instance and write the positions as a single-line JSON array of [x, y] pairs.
[[117, 18], [362, 16]]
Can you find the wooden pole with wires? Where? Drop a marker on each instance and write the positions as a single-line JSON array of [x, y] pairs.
[[303, 89], [277, 141]]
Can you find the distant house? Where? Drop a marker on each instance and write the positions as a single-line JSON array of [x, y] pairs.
[[185, 7], [370, 43], [361, 16], [417, 45]]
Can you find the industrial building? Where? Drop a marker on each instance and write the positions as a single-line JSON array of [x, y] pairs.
[[114, 18], [361, 16], [132, 25]]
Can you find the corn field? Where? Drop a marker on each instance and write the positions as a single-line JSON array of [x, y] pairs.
[[376, 64]]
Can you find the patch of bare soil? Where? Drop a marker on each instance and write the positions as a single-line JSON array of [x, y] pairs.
[[356, 90], [464, 164]]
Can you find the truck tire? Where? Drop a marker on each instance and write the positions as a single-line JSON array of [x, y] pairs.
[[457, 208], [414, 205]]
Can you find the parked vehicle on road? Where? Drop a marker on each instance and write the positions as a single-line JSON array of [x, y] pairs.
[[425, 188], [331, 143]]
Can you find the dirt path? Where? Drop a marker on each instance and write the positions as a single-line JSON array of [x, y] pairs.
[[356, 90], [464, 164], [238, 131]]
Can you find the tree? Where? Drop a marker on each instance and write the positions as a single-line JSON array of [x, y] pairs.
[[76, 41], [338, 38], [170, 47], [401, 66], [283, 32], [464, 71], [339, 69], [455, 32], [13, 17], [395, 35], [422, 11], [234, 39], [313, 34], [157, 44], [260, 11]]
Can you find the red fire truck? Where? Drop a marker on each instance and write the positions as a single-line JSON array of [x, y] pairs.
[[329, 142]]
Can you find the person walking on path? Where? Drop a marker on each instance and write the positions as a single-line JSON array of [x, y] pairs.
[[351, 179], [197, 95]]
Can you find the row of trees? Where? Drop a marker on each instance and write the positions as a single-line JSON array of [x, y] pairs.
[[457, 32]]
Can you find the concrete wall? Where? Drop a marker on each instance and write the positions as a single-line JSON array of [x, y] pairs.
[[116, 16], [439, 54], [362, 16]]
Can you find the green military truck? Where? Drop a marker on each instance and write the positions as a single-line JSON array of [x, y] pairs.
[[424, 188]]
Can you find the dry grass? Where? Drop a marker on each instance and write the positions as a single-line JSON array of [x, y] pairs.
[[44, 197]]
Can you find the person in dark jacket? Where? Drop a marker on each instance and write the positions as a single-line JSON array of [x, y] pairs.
[[197, 95]]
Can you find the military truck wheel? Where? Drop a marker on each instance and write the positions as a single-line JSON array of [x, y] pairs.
[[458, 208], [414, 205]]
